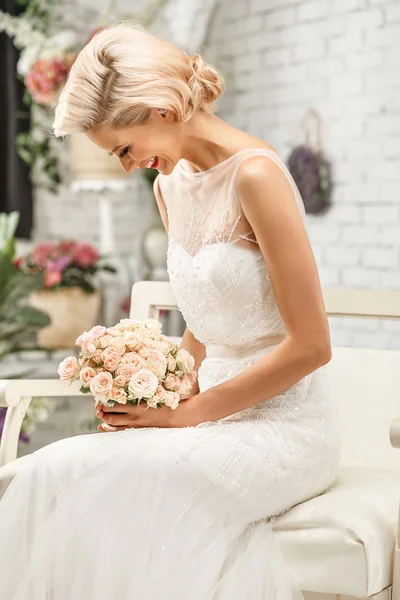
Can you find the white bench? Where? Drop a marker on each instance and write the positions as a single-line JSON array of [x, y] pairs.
[[342, 544]]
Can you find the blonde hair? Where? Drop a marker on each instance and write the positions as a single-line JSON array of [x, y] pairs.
[[123, 72]]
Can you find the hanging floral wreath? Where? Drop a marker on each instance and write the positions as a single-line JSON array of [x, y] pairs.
[[310, 169]]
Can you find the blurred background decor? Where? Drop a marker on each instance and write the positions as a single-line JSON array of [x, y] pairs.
[[69, 295], [310, 168], [19, 321]]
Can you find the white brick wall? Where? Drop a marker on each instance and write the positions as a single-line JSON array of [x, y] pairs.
[[341, 57]]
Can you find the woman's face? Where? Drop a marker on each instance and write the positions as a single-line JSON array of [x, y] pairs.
[[135, 146]]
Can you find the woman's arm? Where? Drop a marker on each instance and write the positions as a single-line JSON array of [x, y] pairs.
[[197, 350], [270, 207]]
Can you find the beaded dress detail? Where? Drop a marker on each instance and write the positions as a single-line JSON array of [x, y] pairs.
[[181, 514]]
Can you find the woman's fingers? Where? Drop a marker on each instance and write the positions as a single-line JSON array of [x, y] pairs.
[[117, 420]]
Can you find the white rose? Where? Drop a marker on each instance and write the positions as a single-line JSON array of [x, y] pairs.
[[143, 384], [152, 325], [184, 361]]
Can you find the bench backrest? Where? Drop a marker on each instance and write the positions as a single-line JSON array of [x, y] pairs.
[[365, 383]]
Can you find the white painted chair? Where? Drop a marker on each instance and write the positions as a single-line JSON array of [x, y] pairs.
[[342, 544]]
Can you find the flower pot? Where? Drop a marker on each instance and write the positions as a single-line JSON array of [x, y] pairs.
[[88, 161], [71, 310]]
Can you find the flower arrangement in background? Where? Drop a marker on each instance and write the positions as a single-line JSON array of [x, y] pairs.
[[43, 67], [68, 263]]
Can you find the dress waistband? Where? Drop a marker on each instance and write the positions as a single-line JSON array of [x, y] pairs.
[[248, 351]]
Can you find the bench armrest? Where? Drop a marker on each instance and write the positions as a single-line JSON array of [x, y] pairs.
[[395, 433], [16, 396]]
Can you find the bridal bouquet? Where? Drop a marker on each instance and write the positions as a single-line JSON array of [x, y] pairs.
[[131, 362]]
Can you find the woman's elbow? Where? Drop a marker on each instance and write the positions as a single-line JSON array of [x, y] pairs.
[[322, 353]]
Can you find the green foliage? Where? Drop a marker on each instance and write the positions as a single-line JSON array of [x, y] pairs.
[[18, 321]]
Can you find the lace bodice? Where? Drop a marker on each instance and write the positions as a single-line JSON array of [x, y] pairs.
[[217, 271]]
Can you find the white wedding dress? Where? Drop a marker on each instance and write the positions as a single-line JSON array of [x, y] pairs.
[[182, 514]]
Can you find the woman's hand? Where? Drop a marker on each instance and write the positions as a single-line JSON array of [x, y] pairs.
[[132, 415]]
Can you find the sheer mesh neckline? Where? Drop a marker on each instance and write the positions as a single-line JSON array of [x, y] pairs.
[[197, 174]]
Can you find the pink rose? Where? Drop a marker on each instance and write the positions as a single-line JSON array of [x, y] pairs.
[[52, 278], [143, 384], [157, 363], [86, 375], [101, 386], [120, 381], [126, 371], [118, 395], [172, 382], [160, 394], [132, 340], [172, 400], [119, 344], [85, 255], [98, 357], [42, 253], [86, 361], [111, 359], [114, 332], [152, 402], [97, 331], [68, 368], [144, 352], [87, 342], [67, 246], [185, 387], [105, 340]]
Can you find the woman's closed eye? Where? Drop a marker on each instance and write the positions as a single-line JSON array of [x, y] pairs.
[[124, 152]]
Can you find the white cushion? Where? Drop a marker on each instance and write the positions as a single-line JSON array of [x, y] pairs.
[[9, 471], [342, 542]]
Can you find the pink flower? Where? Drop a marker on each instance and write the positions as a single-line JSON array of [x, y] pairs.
[[86, 255], [101, 386], [143, 384], [118, 395], [120, 381], [46, 77], [157, 363], [160, 394], [97, 331], [172, 400], [67, 247], [133, 360], [132, 340], [172, 382], [68, 368], [111, 359], [86, 375], [42, 253], [52, 278], [126, 371], [118, 344], [88, 343], [185, 387]]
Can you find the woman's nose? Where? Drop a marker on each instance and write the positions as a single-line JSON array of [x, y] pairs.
[[128, 165]]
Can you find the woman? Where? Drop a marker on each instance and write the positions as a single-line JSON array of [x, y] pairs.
[[178, 504]]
